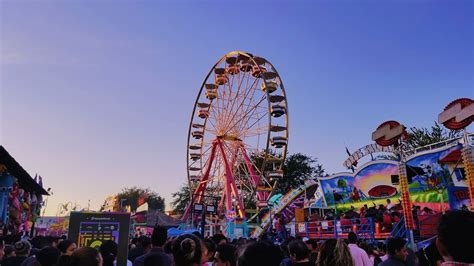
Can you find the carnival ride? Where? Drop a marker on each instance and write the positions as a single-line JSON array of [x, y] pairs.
[[237, 143], [238, 136], [286, 205]]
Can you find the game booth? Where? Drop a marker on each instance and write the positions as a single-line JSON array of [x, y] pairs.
[[21, 196]]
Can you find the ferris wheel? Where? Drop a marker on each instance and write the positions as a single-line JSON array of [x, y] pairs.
[[238, 135]]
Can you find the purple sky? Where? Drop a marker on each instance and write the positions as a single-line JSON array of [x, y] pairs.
[[97, 95]]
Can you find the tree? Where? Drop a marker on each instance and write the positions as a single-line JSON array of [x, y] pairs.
[[181, 199], [418, 137], [297, 168], [136, 196], [341, 183]]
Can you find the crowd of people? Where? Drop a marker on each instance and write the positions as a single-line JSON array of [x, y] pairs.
[[384, 214], [453, 246]]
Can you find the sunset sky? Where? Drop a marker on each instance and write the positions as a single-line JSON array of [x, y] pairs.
[[97, 95]]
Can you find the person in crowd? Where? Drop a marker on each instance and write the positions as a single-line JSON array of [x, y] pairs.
[[142, 246], [389, 204], [397, 252], [313, 250], [219, 239], [334, 253], [158, 240], [48, 256], [187, 250], [225, 255], [168, 248], [453, 227], [381, 254], [429, 256], [108, 251], [371, 252], [67, 247], [2, 249], [84, 256], [359, 256], [22, 250], [427, 211], [154, 260], [299, 253], [259, 253], [9, 251], [208, 252]]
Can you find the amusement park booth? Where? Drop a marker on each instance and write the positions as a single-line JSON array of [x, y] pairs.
[[21, 196]]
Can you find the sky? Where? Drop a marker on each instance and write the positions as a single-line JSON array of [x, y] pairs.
[[97, 95]]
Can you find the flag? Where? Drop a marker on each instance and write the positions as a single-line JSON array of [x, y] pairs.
[[347, 150], [36, 178], [40, 181], [354, 164]]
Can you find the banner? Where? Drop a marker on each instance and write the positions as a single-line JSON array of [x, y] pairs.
[[458, 197], [376, 181]]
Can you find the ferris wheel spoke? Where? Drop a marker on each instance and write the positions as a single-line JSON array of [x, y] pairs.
[[247, 113], [249, 105], [254, 118], [227, 110], [241, 102]]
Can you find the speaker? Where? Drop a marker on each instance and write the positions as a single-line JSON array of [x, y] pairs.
[[395, 179]]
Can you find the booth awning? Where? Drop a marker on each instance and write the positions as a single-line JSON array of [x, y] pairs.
[[15, 169]]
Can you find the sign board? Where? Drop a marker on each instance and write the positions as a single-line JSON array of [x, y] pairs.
[[366, 150], [211, 209], [198, 208], [90, 229], [458, 197]]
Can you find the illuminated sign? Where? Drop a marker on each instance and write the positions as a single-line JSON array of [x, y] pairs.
[[457, 114]]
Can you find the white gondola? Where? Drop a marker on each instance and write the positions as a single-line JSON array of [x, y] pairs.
[[274, 128], [258, 70], [262, 204], [276, 98], [277, 110], [197, 134], [195, 156], [221, 79], [197, 126], [195, 147], [203, 105], [269, 75], [203, 113], [211, 94], [279, 142], [270, 86], [245, 66], [232, 69], [275, 175]]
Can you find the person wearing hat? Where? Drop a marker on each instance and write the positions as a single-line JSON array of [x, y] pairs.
[[22, 250]]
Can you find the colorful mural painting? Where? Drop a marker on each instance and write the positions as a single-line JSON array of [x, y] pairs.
[[429, 174], [52, 226]]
